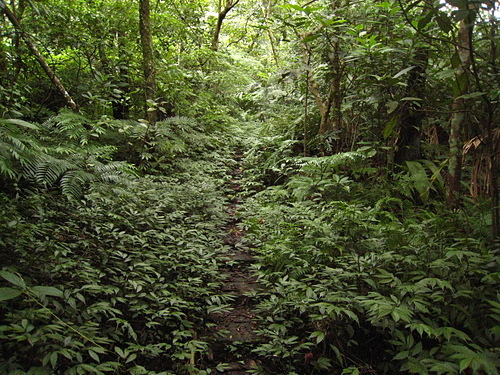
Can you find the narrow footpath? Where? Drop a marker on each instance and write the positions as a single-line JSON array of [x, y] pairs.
[[235, 331]]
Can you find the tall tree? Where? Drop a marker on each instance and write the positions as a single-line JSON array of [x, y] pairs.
[[222, 13], [462, 60], [148, 63]]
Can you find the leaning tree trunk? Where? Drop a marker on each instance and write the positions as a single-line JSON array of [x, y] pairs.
[[230, 4], [458, 119], [148, 64], [38, 56]]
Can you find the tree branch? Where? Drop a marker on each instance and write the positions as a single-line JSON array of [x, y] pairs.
[[38, 56]]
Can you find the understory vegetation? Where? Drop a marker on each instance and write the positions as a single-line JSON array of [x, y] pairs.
[[118, 278], [359, 278], [366, 137]]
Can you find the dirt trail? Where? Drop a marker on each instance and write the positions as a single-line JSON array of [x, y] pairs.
[[235, 331]]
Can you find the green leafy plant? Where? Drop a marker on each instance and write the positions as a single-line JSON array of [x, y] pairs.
[[17, 146], [128, 275], [341, 274]]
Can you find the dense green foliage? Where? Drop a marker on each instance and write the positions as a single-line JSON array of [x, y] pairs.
[[363, 280], [120, 279], [371, 184]]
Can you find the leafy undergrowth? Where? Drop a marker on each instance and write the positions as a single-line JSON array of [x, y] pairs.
[[122, 278], [361, 274], [361, 280]]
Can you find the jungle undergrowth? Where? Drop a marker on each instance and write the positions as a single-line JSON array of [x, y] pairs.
[[363, 280], [122, 278], [118, 278]]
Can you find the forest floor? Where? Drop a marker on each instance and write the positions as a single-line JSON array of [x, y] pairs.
[[235, 330]]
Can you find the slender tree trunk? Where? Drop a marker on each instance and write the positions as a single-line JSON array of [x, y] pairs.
[[458, 118], [148, 64], [330, 106], [266, 13], [335, 95], [323, 106], [410, 119], [230, 4], [494, 164], [38, 56]]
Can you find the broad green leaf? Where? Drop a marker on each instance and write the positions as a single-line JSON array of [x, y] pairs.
[[48, 291], [423, 22], [444, 22], [53, 359], [9, 293], [320, 336], [391, 125], [404, 71], [131, 357], [411, 98], [94, 356], [391, 107], [331, 22], [13, 279], [293, 7], [21, 123], [401, 355], [471, 95], [310, 38], [120, 352], [455, 60], [465, 363]]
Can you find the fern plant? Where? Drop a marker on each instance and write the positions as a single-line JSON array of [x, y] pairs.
[[343, 274], [17, 146], [75, 173], [73, 157]]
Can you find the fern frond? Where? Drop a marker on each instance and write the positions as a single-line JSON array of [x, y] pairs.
[[47, 170], [332, 162], [7, 169], [71, 125], [73, 182], [16, 146]]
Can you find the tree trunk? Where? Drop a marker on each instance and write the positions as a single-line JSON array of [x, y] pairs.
[[329, 107], [118, 75], [148, 64], [230, 4], [410, 119], [266, 13], [494, 156], [38, 56], [462, 63]]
